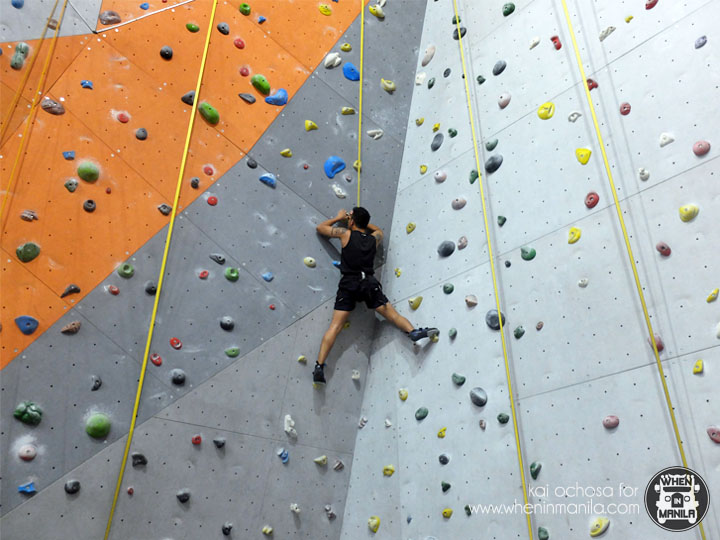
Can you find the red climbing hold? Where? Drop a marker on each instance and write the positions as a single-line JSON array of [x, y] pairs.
[[156, 359], [108, 191], [305, 166], [625, 109], [175, 343], [658, 343], [556, 42], [209, 170], [112, 289], [212, 200], [591, 84], [239, 43], [244, 71], [664, 249], [650, 4], [272, 306], [123, 117], [591, 199], [130, 490], [203, 274], [197, 439]]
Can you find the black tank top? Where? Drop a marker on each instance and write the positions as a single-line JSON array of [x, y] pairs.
[[359, 254]]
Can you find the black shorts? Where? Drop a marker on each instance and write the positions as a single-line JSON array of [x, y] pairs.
[[353, 289]]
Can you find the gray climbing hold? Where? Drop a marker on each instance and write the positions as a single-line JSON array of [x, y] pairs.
[[96, 383], [141, 134], [227, 323], [446, 73], [463, 31], [458, 379], [71, 184], [195, 182], [70, 289], [226, 528], [252, 163], [183, 495], [491, 144], [110, 17], [458, 203], [89, 206], [499, 67], [421, 413], [247, 98], [492, 319], [72, 487], [493, 164], [138, 459], [177, 376], [189, 98], [223, 28], [446, 248], [437, 141], [53, 107], [701, 41], [478, 396], [165, 209], [219, 442], [443, 459], [166, 52], [217, 258]]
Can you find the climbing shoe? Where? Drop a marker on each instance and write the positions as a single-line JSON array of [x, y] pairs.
[[319, 374], [419, 333]]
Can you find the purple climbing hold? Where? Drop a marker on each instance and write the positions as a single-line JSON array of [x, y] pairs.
[[86, 84], [351, 72], [279, 98], [27, 324], [333, 165], [268, 179]]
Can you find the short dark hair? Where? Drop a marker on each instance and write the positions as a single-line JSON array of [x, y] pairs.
[[360, 216]]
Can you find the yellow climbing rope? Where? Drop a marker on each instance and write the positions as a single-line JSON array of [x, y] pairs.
[[30, 120], [362, 49], [494, 276], [173, 213], [5, 121], [628, 247]]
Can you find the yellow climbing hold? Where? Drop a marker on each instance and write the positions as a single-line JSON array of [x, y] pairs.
[[599, 526], [397, 272], [410, 227], [434, 338], [583, 155], [346, 47], [325, 9], [286, 153], [310, 125], [377, 11], [447, 513], [267, 530], [713, 296], [419, 121], [347, 110], [388, 86], [321, 460], [423, 169], [546, 110], [689, 212], [388, 470], [628, 18], [302, 359], [436, 127], [403, 394], [374, 523], [574, 235], [357, 165], [415, 302], [441, 433], [698, 367]]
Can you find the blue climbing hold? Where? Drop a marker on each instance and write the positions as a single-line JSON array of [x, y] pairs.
[[27, 488], [283, 455], [333, 165], [144, 5], [261, 19], [18, 4], [69, 155], [278, 98], [351, 72], [86, 84], [336, 264], [269, 179], [27, 324], [268, 276]]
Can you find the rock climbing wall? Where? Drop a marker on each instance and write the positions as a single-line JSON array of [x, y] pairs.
[[578, 351], [239, 305]]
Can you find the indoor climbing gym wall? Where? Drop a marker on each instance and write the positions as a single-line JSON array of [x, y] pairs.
[[512, 166], [199, 142]]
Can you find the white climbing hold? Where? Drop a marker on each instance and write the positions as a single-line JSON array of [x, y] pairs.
[[388, 423], [574, 116], [605, 33], [429, 53], [583, 282], [332, 60], [329, 512], [362, 422], [534, 42], [294, 508], [440, 176], [665, 139], [321, 460], [339, 192], [375, 133], [290, 427], [643, 174], [471, 300], [420, 78], [355, 375]]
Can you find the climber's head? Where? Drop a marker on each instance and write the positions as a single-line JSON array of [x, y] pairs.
[[360, 217]]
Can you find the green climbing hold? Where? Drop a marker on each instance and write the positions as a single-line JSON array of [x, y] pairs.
[[508, 9], [126, 270], [88, 171], [519, 332], [18, 59], [28, 251], [98, 425], [232, 352], [445, 486], [431, 82], [28, 413], [480, 79], [448, 288], [452, 333], [244, 8], [501, 220], [192, 27], [261, 84], [452, 132], [209, 113], [474, 176], [491, 144], [468, 511], [458, 379], [535, 469], [503, 418], [421, 413], [456, 19], [543, 534], [232, 274], [527, 253]]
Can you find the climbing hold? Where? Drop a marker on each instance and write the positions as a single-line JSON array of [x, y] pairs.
[[71, 328], [457, 379], [698, 367], [650, 4], [419, 121], [504, 100], [126, 270], [527, 253], [27, 488], [268, 179], [452, 333], [188, 98], [493, 320], [388, 470], [86, 84], [452, 132], [611, 422], [267, 530], [377, 10], [643, 174], [247, 98], [227, 323], [17, 4], [351, 72], [447, 513], [605, 33], [166, 52], [144, 6], [53, 107], [310, 125], [324, 9], [283, 455], [321, 460], [583, 155], [714, 433], [583, 282], [712, 296], [97, 425], [69, 155], [539, 326], [437, 141], [355, 375], [458, 203], [183, 495], [192, 27], [535, 467], [478, 396], [446, 248], [663, 249], [601, 524], [440, 176], [625, 109], [361, 423], [658, 343], [374, 521], [493, 164], [689, 212], [503, 418], [72, 487], [471, 300], [700, 42], [279, 98], [347, 111], [443, 459], [473, 176], [534, 42], [403, 394], [508, 9], [27, 324], [89, 206], [519, 332], [209, 113], [421, 413], [332, 60], [333, 165], [665, 139], [346, 47], [574, 235], [701, 148], [448, 288], [429, 53], [375, 133], [462, 242], [501, 220], [27, 452], [388, 86], [591, 199], [138, 459], [232, 274], [556, 42], [543, 534], [357, 165], [445, 486], [286, 153], [447, 72], [244, 8], [28, 413], [329, 512], [112, 289], [574, 116], [415, 302], [463, 31], [546, 110], [441, 433], [309, 262], [289, 426], [232, 352], [591, 84], [226, 528], [27, 251], [141, 134], [261, 84], [223, 28], [22, 50], [175, 343], [88, 171]]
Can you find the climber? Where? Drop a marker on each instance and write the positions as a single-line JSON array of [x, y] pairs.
[[359, 239]]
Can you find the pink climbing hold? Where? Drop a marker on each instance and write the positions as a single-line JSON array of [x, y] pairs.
[[625, 109], [650, 4], [556, 42], [611, 422], [175, 343], [123, 117], [244, 71], [701, 148], [208, 170], [658, 342], [714, 433], [663, 249], [212, 200], [203, 274], [156, 359], [239, 43], [591, 199]]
